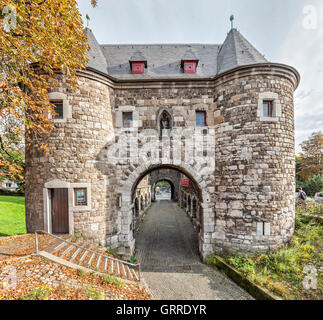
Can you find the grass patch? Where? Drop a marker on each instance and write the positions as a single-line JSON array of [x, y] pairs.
[[12, 216], [111, 280], [282, 271]]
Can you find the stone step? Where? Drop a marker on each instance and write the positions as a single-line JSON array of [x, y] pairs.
[[82, 257], [73, 256], [90, 260], [97, 266], [66, 251], [136, 278], [124, 270], [118, 268], [58, 247], [105, 265], [129, 273]]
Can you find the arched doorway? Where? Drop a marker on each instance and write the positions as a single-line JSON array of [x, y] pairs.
[[164, 187], [128, 195]]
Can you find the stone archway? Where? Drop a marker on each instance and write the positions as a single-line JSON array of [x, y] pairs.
[[207, 224]]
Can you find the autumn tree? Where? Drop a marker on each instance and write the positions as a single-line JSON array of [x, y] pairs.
[[311, 158], [38, 38]]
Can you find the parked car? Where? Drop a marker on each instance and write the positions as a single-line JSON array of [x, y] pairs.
[[319, 197]]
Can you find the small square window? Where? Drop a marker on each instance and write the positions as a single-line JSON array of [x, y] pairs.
[[200, 118], [58, 108], [127, 119], [268, 109], [80, 197]]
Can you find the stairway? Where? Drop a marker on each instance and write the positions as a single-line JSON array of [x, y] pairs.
[[85, 256]]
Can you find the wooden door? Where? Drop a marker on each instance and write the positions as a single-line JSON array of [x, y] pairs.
[[59, 207]]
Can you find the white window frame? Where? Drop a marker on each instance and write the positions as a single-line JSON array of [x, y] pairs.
[[67, 110], [277, 111], [136, 123]]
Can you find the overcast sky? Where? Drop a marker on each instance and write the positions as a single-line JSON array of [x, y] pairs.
[[285, 31]]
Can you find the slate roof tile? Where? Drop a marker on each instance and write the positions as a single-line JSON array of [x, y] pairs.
[[164, 60]]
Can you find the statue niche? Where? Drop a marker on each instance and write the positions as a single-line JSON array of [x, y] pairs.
[[165, 123]]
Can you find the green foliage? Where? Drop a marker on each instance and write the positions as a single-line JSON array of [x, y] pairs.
[[41, 293], [111, 252], [163, 184], [312, 186], [315, 184], [112, 280], [93, 294], [4, 192], [82, 273], [133, 260], [281, 271], [242, 263]]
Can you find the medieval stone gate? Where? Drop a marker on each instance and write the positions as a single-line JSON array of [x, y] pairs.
[[220, 114]]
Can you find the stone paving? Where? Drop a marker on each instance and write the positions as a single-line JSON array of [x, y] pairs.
[[167, 248]]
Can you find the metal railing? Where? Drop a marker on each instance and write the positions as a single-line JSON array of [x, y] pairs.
[[131, 265]]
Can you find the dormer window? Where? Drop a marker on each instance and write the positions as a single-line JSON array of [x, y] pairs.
[[138, 67], [138, 63], [189, 62]]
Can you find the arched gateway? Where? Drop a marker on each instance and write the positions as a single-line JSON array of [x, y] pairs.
[[128, 203], [225, 120]]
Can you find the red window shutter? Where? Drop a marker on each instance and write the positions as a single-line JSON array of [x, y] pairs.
[[185, 183], [189, 66], [138, 67]]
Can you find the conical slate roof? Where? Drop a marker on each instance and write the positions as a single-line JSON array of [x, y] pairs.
[[97, 60], [237, 51]]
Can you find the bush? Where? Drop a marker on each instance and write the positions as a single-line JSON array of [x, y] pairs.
[[312, 186], [4, 192]]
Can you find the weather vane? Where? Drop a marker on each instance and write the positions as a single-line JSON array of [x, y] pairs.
[[231, 19], [88, 19]]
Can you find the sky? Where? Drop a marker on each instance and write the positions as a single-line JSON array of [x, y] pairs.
[[288, 31]]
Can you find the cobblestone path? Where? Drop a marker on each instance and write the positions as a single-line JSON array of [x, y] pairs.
[[167, 247]]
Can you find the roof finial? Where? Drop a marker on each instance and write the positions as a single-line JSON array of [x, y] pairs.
[[231, 19], [88, 20]]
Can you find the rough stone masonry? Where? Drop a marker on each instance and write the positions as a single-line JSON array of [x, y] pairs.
[[245, 176]]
